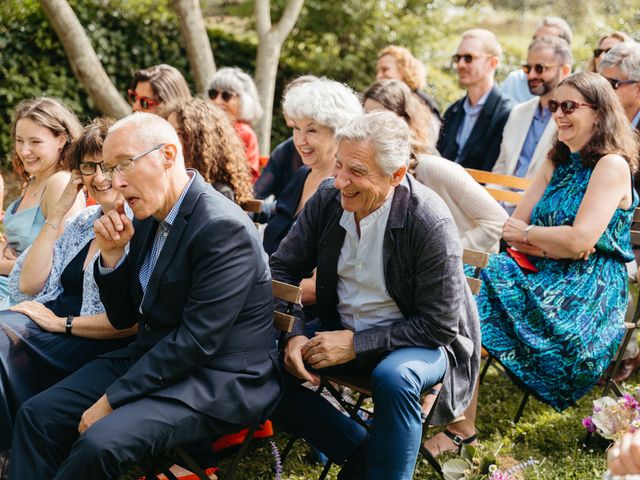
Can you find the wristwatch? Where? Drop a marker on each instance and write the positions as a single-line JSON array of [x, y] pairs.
[[69, 324], [525, 233]]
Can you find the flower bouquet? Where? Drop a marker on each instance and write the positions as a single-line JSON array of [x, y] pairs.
[[473, 466], [612, 417]]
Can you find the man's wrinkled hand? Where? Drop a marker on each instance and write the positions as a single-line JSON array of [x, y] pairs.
[[326, 349], [293, 360], [113, 232], [96, 412]]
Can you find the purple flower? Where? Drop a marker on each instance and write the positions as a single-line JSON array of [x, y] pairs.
[[587, 423], [630, 402]]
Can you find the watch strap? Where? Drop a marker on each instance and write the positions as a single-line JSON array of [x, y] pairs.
[[69, 325]]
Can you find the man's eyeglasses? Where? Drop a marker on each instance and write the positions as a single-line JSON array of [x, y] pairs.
[[599, 51], [567, 107], [539, 68], [616, 84], [226, 95], [467, 57], [124, 167], [145, 102]]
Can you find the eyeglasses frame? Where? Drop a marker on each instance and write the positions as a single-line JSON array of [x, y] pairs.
[[108, 171]]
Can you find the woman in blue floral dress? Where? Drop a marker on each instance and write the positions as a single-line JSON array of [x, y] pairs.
[[557, 330]]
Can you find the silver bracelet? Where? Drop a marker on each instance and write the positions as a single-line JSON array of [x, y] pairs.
[[52, 225]]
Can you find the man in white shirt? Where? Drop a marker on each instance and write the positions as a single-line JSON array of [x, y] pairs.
[[528, 134], [515, 85]]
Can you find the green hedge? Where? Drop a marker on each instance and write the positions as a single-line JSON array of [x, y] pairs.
[[125, 35]]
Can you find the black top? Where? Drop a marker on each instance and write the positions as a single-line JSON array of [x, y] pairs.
[[285, 215], [69, 302], [283, 163]]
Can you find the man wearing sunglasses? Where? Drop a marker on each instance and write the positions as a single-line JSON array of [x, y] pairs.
[[528, 134], [516, 85], [196, 281], [472, 127], [621, 67]]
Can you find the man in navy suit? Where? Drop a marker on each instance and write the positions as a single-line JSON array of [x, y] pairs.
[[472, 129], [196, 281]]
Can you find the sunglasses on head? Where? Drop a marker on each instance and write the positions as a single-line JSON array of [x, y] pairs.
[[467, 57], [539, 68], [226, 95], [599, 51], [616, 84], [567, 107], [145, 102]]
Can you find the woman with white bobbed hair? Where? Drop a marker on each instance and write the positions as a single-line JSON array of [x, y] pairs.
[[234, 91], [316, 109]]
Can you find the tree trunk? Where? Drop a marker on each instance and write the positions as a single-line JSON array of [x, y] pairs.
[[270, 40], [83, 59], [196, 40]]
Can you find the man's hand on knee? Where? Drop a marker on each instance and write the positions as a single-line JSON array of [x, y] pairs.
[[293, 359], [326, 349], [95, 412]]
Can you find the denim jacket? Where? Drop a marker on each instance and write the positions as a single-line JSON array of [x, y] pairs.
[[423, 275]]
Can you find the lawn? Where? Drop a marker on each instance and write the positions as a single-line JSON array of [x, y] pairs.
[[555, 440]]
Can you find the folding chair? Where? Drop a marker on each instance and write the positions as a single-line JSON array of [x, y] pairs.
[[362, 386], [283, 322], [512, 187]]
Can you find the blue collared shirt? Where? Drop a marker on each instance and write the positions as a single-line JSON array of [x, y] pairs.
[[539, 122], [471, 114], [159, 240], [636, 119]]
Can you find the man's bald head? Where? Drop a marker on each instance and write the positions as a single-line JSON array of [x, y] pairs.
[[144, 130]]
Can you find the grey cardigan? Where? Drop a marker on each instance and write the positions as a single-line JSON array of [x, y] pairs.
[[423, 275]]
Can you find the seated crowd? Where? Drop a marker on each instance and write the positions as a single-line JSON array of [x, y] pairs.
[[145, 321]]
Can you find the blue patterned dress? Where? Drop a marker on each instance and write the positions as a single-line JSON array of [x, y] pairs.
[[557, 330]]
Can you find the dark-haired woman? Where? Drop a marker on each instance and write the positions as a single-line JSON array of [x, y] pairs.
[[558, 328]]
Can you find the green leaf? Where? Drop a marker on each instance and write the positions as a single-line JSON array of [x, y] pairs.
[[455, 469]]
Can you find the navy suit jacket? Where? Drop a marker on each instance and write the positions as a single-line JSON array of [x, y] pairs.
[[483, 146], [205, 325]]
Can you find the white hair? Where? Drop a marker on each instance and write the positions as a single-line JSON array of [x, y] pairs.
[[235, 80], [325, 101], [625, 56], [387, 132], [149, 128]]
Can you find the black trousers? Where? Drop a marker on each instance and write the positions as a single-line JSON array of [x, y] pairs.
[[46, 442]]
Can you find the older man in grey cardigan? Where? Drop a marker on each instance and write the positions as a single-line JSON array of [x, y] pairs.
[[392, 303]]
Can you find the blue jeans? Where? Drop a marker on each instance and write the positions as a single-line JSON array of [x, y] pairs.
[[398, 381]]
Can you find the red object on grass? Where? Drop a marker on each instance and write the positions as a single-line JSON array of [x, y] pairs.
[[264, 431]]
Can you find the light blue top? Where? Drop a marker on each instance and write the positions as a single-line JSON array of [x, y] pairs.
[[517, 87], [636, 119], [22, 227], [539, 122], [471, 114]]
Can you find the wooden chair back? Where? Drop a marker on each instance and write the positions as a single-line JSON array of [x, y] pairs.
[[513, 187], [252, 206], [292, 295], [478, 260]]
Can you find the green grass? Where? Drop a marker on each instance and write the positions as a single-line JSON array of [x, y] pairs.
[[556, 440]]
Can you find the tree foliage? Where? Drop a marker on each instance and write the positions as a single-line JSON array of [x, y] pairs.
[[127, 35]]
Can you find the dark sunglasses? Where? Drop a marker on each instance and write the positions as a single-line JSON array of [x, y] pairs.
[[145, 102], [567, 107], [226, 95], [539, 68], [616, 84], [599, 51], [467, 57]]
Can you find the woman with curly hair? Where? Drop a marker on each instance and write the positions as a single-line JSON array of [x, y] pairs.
[[211, 146], [397, 63]]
